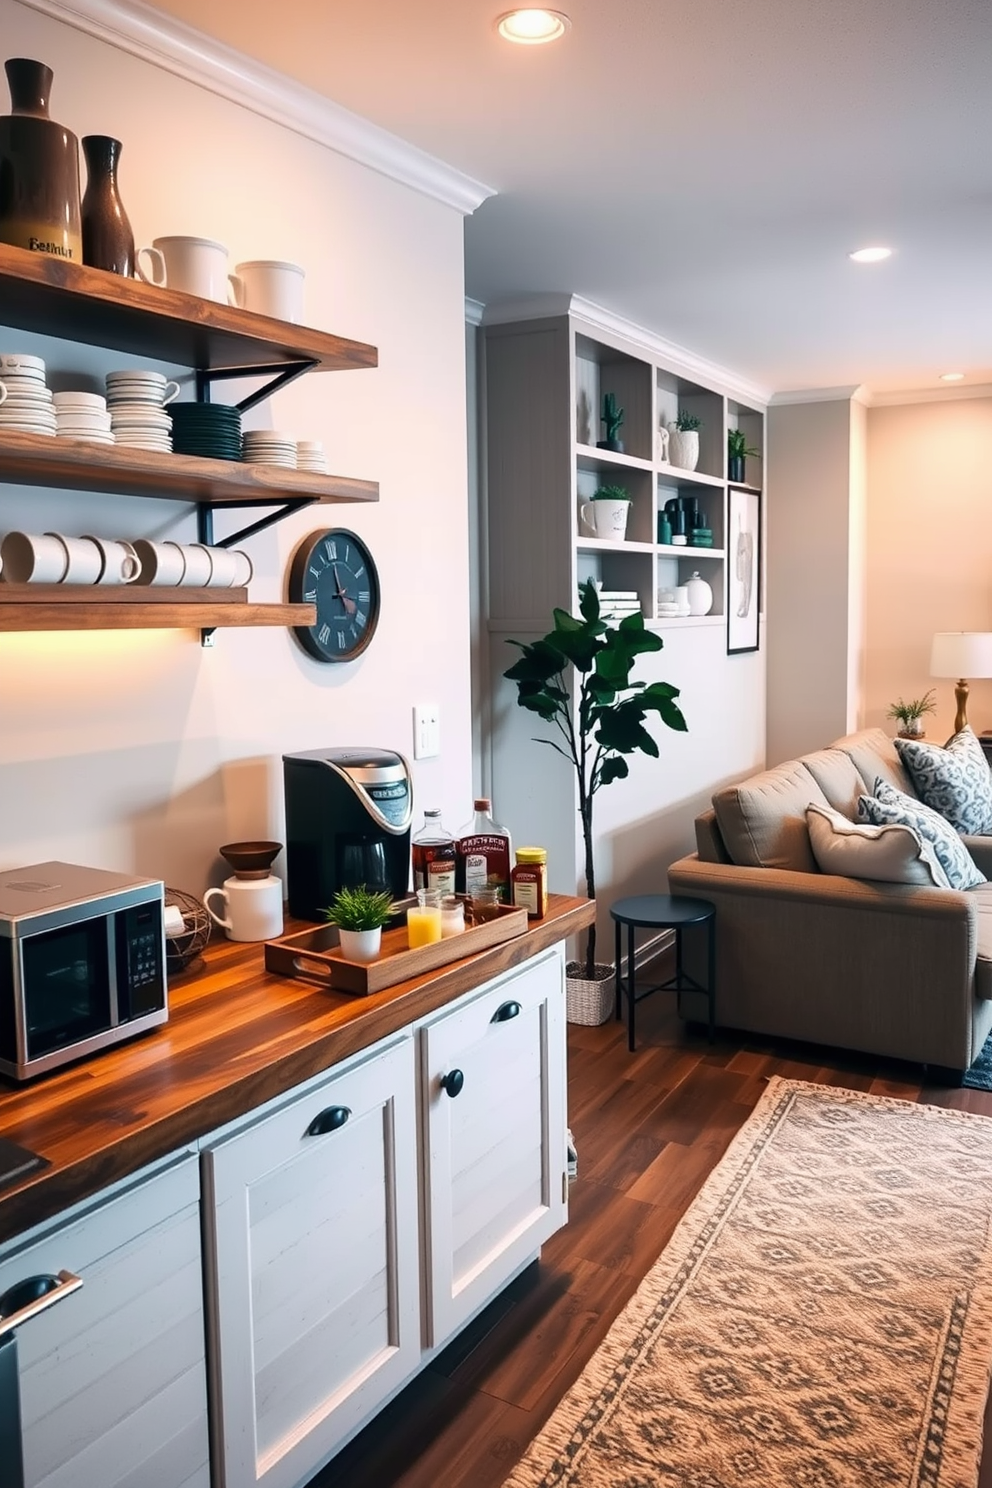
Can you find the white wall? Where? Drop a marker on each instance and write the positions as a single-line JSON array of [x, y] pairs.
[[929, 550], [141, 750]]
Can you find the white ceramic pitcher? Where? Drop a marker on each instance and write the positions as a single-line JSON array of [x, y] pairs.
[[253, 905]]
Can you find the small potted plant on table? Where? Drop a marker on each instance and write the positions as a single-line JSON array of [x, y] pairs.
[[910, 715], [360, 914]]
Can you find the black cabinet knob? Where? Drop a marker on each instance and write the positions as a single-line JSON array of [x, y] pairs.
[[452, 1082], [505, 1012], [327, 1121]]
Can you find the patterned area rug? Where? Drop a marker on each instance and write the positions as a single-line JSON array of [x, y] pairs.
[[821, 1318], [979, 1077]]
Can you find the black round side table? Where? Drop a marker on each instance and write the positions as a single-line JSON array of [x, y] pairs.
[[663, 912]]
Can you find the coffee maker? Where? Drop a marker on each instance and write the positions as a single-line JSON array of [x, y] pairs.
[[348, 815]]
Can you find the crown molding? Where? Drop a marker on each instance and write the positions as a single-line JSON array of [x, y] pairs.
[[852, 393], [598, 318], [952, 394], [180, 49], [474, 311]]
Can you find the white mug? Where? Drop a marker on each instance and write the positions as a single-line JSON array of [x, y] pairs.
[[606, 517], [121, 564], [84, 559], [161, 562], [199, 566], [253, 905], [269, 287], [196, 266], [30, 559]]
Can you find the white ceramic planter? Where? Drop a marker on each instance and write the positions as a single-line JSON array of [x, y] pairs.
[[360, 945], [683, 447], [700, 596]]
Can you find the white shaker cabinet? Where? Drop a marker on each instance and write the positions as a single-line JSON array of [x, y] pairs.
[[313, 1266], [493, 1102], [112, 1376]]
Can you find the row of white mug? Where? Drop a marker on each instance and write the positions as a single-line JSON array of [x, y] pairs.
[[53, 558], [198, 266]]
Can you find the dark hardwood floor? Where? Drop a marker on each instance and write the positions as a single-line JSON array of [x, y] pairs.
[[649, 1128]]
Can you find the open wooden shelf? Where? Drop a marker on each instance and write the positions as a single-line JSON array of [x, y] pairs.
[[41, 293], [130, 607], [41, 460]]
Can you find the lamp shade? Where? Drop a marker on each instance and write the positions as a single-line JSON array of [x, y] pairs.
[[961, 653]]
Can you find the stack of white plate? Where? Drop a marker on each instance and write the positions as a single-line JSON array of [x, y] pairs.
[[268, 447], [83, 416], [310, 456], [137, 401], [27, 409]]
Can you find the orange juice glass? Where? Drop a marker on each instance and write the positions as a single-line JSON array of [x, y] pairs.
[[423, 920]]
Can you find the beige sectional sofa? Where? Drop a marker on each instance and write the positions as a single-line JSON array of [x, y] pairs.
[[885, 968]]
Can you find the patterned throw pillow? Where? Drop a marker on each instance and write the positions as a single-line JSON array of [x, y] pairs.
[[955, 780], [890, 807]]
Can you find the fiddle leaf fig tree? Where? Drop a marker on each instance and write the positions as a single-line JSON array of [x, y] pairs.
[[578, 678]]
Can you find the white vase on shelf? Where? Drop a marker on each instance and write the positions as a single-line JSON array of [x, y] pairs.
[[700, 595], [682, 599], [683, 447]]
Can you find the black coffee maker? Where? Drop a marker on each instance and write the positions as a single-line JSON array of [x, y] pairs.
[[348, 815]]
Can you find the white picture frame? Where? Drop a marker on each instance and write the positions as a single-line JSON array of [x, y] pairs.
[[743, 570]]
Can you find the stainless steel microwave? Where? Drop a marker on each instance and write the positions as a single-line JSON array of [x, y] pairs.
[[82, 963]]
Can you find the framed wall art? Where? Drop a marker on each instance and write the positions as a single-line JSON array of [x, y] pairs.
[[743, 569]]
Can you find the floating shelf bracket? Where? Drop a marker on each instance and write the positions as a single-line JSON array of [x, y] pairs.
[[279, 373], [205, 532]]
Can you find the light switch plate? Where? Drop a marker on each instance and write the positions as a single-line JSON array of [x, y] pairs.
[[426, 730]]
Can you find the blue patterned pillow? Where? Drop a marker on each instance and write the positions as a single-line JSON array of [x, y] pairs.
[[891, 807], [954, 780]]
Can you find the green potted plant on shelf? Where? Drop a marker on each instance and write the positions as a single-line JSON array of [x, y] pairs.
[[360, 914], [683, 441], [737, 452], [606, 512], [578, 679], [612, 417], [911, 714]]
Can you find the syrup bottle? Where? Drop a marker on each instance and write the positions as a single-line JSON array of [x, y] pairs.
[[434, 856], [482, 853]]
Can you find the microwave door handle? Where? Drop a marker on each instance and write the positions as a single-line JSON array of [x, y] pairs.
[[36, 1294]]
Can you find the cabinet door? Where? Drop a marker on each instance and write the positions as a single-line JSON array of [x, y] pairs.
[[313, 1253], [495, 1187], [112, 1377]]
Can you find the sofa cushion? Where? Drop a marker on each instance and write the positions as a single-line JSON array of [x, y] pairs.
[[838, 778], [889, 854], [983, 964], [763, 819], [954, 779], [889, 807], [874, 755]]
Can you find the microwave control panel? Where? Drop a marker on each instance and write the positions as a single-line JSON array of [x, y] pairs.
[[140, 960]]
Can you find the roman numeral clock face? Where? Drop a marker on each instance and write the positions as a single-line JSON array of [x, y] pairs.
[[334, 570]]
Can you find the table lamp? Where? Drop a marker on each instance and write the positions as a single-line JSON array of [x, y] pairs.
[[961, 654]]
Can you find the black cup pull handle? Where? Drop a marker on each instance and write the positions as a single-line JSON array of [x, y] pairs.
[[327, 1121], [505, 1012], [452, 1082]]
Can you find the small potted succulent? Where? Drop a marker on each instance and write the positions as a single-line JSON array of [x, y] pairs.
[[683, 444], [360, 914], [612, 417], [910, 715], [737, 452]]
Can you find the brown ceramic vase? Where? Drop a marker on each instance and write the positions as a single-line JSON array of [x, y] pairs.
[[108, 242], [39, 169]]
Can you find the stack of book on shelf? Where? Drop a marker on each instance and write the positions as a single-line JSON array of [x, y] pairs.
[[615, 603]]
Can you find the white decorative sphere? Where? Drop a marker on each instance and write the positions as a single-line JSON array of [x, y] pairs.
[[700, 596]]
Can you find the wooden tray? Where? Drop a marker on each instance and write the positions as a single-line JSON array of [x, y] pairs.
[[315, 954]]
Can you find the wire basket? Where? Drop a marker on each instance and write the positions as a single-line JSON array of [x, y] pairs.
[[182, 950]]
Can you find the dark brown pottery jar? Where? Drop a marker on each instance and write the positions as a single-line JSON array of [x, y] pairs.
[[39, 168], [108, 242]]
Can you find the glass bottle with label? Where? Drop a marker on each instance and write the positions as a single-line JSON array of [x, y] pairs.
[[482, 854], [530, 881], [434, 856]]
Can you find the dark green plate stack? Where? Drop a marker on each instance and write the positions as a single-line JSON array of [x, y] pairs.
[[210, 430], [701, 537]]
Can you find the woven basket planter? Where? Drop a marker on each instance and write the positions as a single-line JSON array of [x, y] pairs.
[[589, 1002]]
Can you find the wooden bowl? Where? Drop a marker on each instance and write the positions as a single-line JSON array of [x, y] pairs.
[[251, 859]]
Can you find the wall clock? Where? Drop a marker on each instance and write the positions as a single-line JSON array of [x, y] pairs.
[[334, 570]]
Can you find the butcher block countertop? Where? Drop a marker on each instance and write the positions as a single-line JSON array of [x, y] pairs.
[[237, 1036]]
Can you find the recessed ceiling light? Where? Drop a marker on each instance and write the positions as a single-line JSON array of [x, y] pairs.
[[870, 255], [532, 27], [952, 376]]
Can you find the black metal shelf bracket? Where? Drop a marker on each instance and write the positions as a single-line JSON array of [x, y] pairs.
[[205, 531], [279, 373]]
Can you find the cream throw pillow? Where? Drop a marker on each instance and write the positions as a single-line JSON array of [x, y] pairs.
[[891, 854]]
